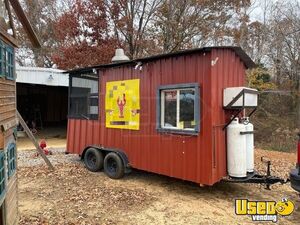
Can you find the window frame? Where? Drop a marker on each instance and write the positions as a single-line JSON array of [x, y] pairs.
[[160, 106], [2, 60], [7, 61], [11, 159], [88, 76], [2, 174], [10, 65]]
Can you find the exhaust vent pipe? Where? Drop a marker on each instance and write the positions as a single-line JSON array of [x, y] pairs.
[[120, 56]]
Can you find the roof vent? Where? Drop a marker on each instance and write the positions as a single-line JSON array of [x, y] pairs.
[[120, 56]]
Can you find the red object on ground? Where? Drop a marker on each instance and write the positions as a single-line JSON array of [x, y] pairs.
[[46, 151], [43, 146], [200, 158]]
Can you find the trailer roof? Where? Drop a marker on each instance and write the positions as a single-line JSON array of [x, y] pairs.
[[239, 51]]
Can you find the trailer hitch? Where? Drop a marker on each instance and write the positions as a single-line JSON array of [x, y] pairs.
[[269, 180], [256, 178]]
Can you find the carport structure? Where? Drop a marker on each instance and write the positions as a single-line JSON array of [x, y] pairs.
[[42, 96]]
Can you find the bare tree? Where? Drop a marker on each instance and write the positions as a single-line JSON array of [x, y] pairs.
[[191, 23], [131, 20], [42, 14], [283, 48], [253, 32], [178, 23]]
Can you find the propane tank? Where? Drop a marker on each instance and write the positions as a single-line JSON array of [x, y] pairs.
[[236, 150], [249, 144]]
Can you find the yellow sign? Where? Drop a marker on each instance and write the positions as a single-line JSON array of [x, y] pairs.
[[122, 104], [264, 210]]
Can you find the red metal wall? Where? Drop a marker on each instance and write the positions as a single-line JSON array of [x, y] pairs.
[[201, 158], [229, 71]]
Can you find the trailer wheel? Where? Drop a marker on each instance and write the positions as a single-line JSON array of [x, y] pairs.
[[93, 160], [114, 166]]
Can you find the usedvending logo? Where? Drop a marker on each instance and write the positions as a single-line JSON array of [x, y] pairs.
[[264, 210]]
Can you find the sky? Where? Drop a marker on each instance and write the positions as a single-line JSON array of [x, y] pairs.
[[259, 6]]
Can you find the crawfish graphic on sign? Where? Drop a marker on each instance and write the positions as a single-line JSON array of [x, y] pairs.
[[122, 104]]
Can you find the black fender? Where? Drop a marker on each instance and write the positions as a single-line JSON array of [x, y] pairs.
[[105, 151]]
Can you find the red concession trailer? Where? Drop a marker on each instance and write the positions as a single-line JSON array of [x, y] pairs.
[[163, 114]]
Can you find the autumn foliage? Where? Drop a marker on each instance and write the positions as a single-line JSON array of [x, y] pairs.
[[84, 36], [80, 33], [260, 79]]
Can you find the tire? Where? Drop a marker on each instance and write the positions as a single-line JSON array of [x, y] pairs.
[[93, 160], [114, 166]]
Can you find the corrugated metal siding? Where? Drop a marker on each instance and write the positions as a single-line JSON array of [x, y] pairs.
[[36, 75], [229, 71], [186, 157]]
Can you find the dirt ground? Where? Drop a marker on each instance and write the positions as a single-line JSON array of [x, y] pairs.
[[55, 137], [73, 195], [26, 144]]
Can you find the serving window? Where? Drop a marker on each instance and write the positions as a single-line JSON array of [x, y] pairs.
[[83, 96], [178, 108]]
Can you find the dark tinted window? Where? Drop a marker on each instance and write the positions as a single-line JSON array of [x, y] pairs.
[[83, 97]]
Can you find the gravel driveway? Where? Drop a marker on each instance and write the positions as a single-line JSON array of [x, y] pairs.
[[73, 195], [28, 158]]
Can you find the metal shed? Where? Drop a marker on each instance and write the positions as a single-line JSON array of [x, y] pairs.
[[192, 149], [40, 92]]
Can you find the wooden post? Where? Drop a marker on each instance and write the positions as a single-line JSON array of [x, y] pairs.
[[36, 144], [12, 26]]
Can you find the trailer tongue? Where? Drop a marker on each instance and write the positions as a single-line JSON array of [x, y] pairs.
[[295, 173], [257, 178]]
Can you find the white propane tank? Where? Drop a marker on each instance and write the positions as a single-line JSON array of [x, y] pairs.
[[236, 150], [249, 144]]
